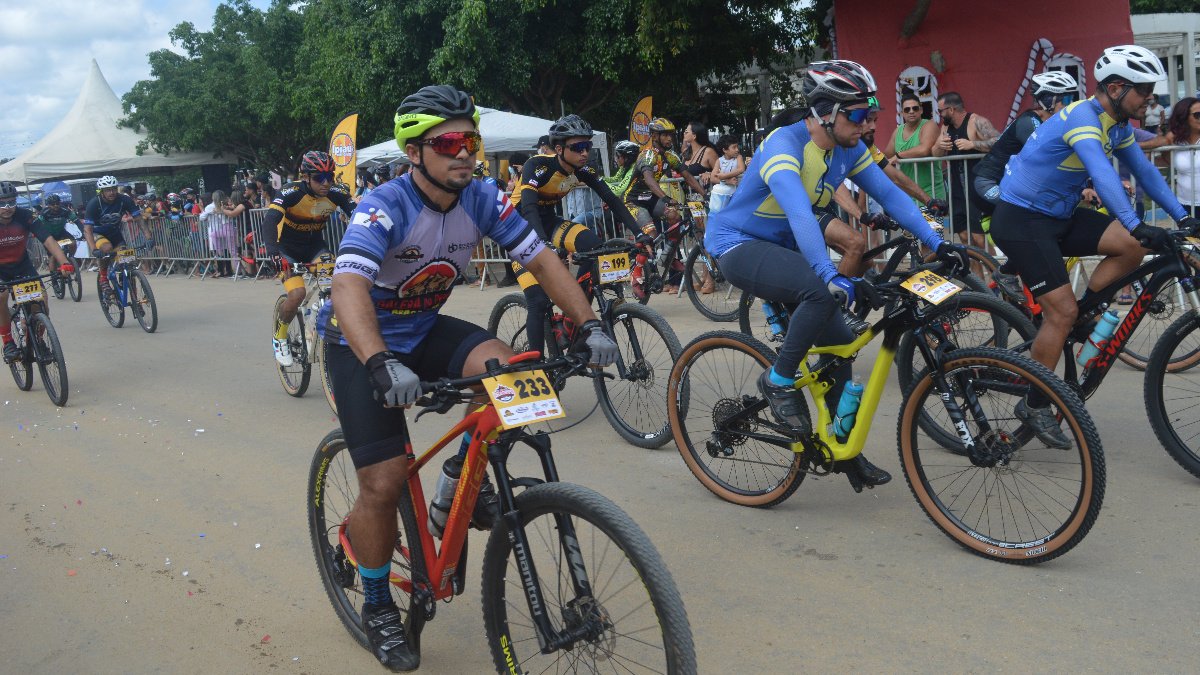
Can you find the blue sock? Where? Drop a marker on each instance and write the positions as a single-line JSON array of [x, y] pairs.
[[376, 586], [466, 443], [780, 380]]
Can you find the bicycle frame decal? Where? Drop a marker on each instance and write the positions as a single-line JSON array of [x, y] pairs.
[[1105, 360]]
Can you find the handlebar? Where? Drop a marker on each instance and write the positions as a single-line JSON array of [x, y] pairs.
[[445, 393], [610, 247], [5, 286]]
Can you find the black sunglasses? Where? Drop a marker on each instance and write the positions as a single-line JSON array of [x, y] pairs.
[[580, 147], [914, 108]]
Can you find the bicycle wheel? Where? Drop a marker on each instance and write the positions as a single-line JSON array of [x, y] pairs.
[[142, 302], [1025, 502], [1170, 392], [715, 377], [753, 322], [332, 489], [59, 286], [75, 283], [720, 304], [110, 304], [22, 368], [294, 377], [48, 354], [1168, 305], [629, 583], [319, 354], [507, 321], [635, 404]]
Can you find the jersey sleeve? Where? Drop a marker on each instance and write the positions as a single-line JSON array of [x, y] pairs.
[[131, 206], [533, 175], [780, 170], [1150, 180], [341, 198], [500, 221], [1025, 126], [365, 243], [91, 212], [39, 230], [896, 204], [1086, 139]]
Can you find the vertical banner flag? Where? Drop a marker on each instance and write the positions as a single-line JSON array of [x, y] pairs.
[[344, 152], [639, 122]]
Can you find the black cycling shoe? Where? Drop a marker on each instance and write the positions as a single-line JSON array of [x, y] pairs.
[[1010, 284], [487, 506], [787, 404], [1043, 423], [862, 473], [384, 627], [12, 353]]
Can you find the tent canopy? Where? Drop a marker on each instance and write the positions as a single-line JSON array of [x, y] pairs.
[[503, 133], [88, 142]]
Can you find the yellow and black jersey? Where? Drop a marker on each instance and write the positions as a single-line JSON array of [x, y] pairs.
[[544, 184], [657, 161], [299, 215]]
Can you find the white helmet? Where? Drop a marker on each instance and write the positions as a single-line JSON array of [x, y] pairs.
[[1053, 82], [1134, 64], [106, 182]]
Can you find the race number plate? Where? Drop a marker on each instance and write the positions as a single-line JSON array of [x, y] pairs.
[[63, 243], [930, 287], [125, 255], [523, 398], [27, 292], [614, 269], [324, 275], [697, 208]]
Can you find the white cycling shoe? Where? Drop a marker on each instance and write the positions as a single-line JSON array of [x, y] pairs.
[[283, 353]]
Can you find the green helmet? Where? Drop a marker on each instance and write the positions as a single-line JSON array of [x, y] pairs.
[[430, 107]]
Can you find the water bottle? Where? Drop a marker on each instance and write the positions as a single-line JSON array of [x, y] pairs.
[[1105, 327], [443, 495], [847, 409], [774, 317]]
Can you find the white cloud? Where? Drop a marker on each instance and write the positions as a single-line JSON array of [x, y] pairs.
[[47, 48]]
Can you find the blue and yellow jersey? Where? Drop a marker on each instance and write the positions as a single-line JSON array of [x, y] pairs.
[[1076, 144], [790, 176]]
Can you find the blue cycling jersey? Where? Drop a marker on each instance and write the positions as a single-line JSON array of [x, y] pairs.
[[105, 217], [1079, 142], [788, 176], [412, 253]]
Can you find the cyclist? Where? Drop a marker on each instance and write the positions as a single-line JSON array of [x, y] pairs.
[[1036, 221], [643, 194], [102, 219], [15, 227], [408, 242], [54, 217], [1051, 92], [768, 238], [545, 181], [297, 216]]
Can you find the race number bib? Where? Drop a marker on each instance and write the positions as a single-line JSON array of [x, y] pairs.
[[614, 269], [930, 287], [126, 255], [63, 243], [28, 292], [523, 398], [324, 272]]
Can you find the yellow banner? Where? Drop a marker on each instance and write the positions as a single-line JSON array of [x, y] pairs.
[[639, 121], [344, 151]]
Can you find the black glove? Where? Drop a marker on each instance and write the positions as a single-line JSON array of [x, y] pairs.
[[954, 254], [644, 239], [1189, 223], [1153, 238], [601, 346], [937, 207], [393, 381], [877, 221], [849, 290]]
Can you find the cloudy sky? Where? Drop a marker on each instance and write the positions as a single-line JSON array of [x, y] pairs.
[[47, 48]]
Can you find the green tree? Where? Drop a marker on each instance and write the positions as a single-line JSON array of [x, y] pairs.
[[1163, 6]]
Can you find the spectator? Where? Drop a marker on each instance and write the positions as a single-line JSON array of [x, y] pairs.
[[221, 234], [916, 138], [266, 191], [515, 162], [1154, 116], [730, 166], [963, 133], [239, 213], [543, 146], [698, 152], [1183, 128]]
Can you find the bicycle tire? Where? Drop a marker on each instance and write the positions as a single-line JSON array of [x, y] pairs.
[[48, 354], [1172, 423], [59, 286], [721, 304], [636, 407], [508, 319], [759, 474], [320, 353], [1164, 309], [332, 488], [143, 306], [75, 282], [110, 304], [1064, 505], [295, 377], [598, 523], [22, 368]]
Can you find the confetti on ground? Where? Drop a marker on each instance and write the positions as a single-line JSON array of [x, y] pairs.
[[79, 502], [201, 535], [71, 573], [185, 573], [189, 594], [265, 639], [258, 546]]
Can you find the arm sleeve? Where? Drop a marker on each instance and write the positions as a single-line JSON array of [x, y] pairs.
[[615, 206], [780, 170], [1104, 177], [1024, 129], [1150, 180], [39, 230], [270, 224], [897, 205], [528, 208]]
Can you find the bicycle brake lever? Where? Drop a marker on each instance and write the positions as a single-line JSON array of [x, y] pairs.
[[440, 406]]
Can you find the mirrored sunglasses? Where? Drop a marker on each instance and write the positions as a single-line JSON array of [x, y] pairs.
[[857, 115], [580, 147], [451, 143], [323, 177]]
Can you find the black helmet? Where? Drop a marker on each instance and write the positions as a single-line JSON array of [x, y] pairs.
[[569, 126], [429, 107], [53, 200], [627, 149], [8, 190], [836, 82], [383, 172]]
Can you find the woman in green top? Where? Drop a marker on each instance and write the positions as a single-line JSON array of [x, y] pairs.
[[915, 138]]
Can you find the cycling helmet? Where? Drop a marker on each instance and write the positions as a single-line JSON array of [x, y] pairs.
[[1053, 82], [106, 182], [430, 107], [1131, 63], [172, 197], [627, 149], [383, 172], [569, 126], [315, 161], [480, 169], [8, 190], [660, 124], [836, 82], [53, 200]]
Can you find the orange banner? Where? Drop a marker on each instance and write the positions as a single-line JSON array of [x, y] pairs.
[[344, 151], [639, 121]]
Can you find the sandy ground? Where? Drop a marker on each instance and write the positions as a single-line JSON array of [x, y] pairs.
[[157, 524]]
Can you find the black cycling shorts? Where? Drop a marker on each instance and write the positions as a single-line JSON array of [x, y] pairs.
[[300, 252], [1036, 243], [22, 269], [825, 215], [374, 433]]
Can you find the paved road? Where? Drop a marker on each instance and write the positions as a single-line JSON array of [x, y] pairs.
[[157, 524]]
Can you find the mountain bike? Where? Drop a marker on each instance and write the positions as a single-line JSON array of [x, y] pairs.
[[1006, 497], [60, 283], [36, 338], [127, 287], [635, 401], [562, 567], [658, 263], [306, 346]]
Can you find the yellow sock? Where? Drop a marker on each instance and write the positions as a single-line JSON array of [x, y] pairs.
[[281, 331]]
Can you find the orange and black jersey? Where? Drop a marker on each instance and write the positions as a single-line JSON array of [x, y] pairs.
[[298, 215], [544, 184]]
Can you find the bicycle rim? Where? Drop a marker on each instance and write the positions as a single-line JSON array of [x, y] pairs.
[[1171, 393], [636, 404], [294, 378], [22, 368], [142, 302], [48, 354], [75, 285], [720, 304], [507, 322]]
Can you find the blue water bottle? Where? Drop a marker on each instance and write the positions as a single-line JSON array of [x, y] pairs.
[[774, 317], [847, 409], [1105, 327]]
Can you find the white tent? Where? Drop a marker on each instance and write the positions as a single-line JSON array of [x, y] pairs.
[[88, 142], [503, 133]]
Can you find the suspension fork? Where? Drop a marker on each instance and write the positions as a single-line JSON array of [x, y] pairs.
[[611, 323], [941, 383]]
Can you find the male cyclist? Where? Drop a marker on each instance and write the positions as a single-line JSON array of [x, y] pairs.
[[102, 219], [15, 227], [768, 240], [297, 216], [407, 243], [54, 217], [545, 181], [644, 195]]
